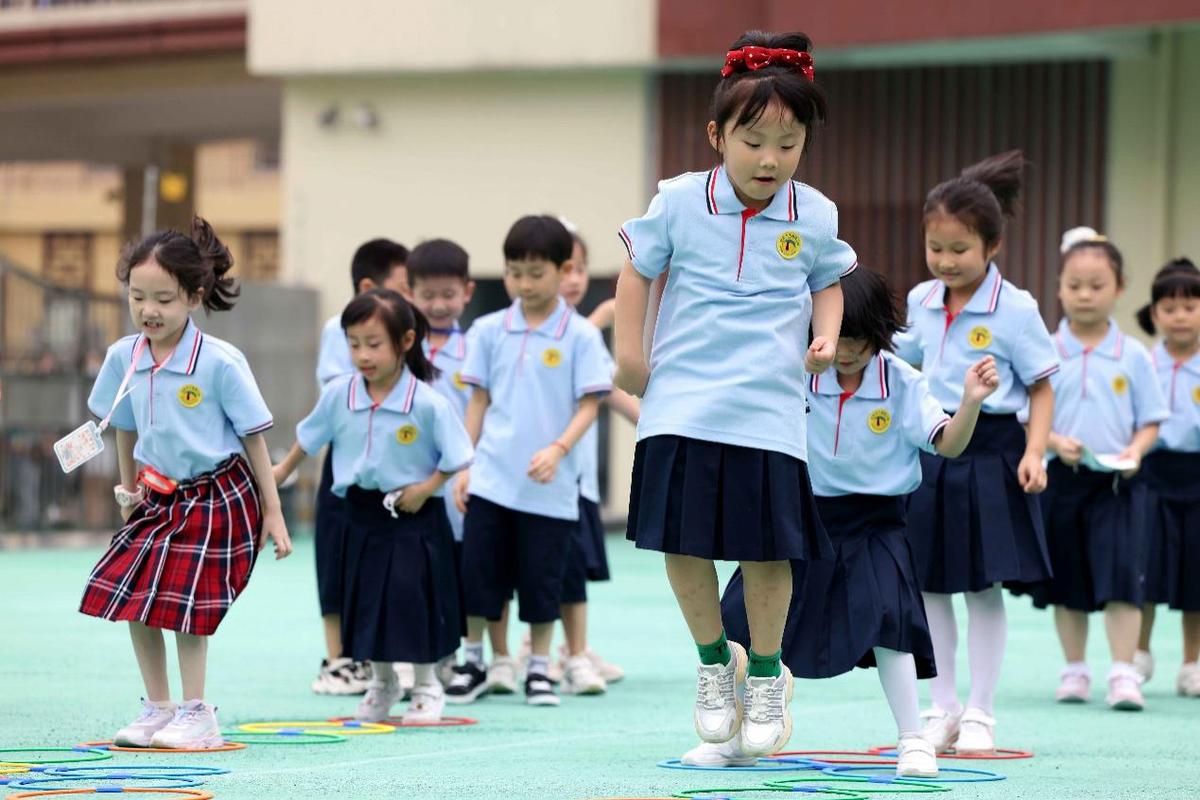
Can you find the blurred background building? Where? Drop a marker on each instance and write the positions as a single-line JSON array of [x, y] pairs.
[[301, 128]]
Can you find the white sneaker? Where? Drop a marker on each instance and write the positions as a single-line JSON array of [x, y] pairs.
[[718, 711], [940, 728], [154, 718], [444, 669], [428, 701], [341, 676], [767, 725], [377, 705], [1124, 689], [1143, 662], [406, 676], [502, 676], [976, 733], [193, 728], [580, 677], [725, 754], [609, 671], [915, 758], [1188, 682], [1074, 685]]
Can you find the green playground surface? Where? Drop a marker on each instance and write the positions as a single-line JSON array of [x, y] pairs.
[[66, 679]]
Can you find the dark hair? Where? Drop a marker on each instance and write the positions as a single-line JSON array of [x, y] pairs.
[[539, 236], [982, 196], [438, 258], [745, 95], [579, 240], [871, 310], [198, 261], [1178, 278], [1110, 251], [398, 317], [375, 260]]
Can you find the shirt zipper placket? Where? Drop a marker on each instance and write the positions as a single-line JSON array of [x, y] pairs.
[[837, 431], [747, 214], [1087, 351]]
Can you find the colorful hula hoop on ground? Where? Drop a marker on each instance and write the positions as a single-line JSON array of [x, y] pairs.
[[84, 753], [112, 771], [971, 775], [12, 769], [999, 754], [398, 722], [319, 726], [862, 784], [285, 736], [116, 748], [772, 764], [195, 794], [860, 757], [737, 794], [55, 782]]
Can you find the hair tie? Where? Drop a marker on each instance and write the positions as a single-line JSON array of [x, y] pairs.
[[755, 58]]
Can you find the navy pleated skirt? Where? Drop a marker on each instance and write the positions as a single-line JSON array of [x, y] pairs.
[[969, 522], [1097, 531], [1173, 558], [595, 552], [329, 540], [865, 597], [401, 597], [723, 502]]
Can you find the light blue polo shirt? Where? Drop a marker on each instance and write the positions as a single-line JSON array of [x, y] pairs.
[[589, 451], [449, 384], [999, 320], [535, 379], [192, 413], [403, 440], [1180, 382], [1103, 395], [869, 442], [727, 362], [333, 357]]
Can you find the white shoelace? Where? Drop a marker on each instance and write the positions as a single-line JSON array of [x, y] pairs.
[[715, 690], [186, 716], [764, 703], [149, 711]]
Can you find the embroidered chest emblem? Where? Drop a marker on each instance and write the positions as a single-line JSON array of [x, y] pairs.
[[879, 420], [789, 244], [407, 434], [552, 357], [190, 395], [979, 337], [1120, 385], [458, 382]]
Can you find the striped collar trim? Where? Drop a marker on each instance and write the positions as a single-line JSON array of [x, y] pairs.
[[184, 358], [400, 399], [985, 300], [876, 382], [555, 327]]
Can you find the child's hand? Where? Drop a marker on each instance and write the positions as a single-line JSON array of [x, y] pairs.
[[1069, 449], [413, 497], [1133, 454], [820, 355], [462, 490], [544, 463], [1031, 472], [632, 378], [275, 528], [982, 379]]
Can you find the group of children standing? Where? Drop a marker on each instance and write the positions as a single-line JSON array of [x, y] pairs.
[[862, 467]]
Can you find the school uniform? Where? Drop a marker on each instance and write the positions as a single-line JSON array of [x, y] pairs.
[[400, 596], [183, 557], [329, 523], [721, 437], [1172, 471], [864, 448], [518, 532], [969, 522], [1097, 523]]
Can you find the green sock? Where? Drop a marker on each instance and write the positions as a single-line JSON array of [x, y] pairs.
[[715, 653], [765, 666]]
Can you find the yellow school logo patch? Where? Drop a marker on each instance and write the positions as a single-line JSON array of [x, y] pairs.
[[979, 337], [407, 434], [1120, 384], [190, 395], [551, 357], [879, 420], [459, 383], [1196, 394], [789, 244]]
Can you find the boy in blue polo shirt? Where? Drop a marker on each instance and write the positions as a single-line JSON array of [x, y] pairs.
[[539, 371]]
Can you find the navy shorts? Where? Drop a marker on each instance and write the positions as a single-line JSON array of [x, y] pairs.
[[575, 577], [506, 550]]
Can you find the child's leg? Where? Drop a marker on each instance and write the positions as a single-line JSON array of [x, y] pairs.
[[424, 674], [1123, 623], [694, 581], [193, 658], [574, 622], [1191, 636], [943, 630], [498, 633], [151, 654], [1148, 613], [898, 676], [473, 646], [333, 635], [1072, 629], [768, 594], [987, 633]]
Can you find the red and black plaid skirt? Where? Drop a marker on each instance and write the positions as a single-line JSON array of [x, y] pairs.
[[181, 559]]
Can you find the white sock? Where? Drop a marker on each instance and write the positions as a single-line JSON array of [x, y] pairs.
[[987, 633], [943, 630], [898, 676], [384, 671], [539, 665], [473, 652], [424, 674]]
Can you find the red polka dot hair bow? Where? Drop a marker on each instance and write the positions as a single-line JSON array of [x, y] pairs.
[[752, 58]]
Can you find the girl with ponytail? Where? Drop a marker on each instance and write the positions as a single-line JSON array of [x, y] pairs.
[[396, 441], [186, 407]]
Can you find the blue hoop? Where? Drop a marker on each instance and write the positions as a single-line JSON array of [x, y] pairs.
[[785, 765], [982, 775], [55, 781], [165, 770]]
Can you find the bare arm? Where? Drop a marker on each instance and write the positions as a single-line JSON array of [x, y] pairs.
[[273, 526], [1031, 471], [285, 468], [981, 380], [1143, 440], [633, 298], [624, 404], [545, 461], [826, 323], [604, 314], [128, 467], [477, 408]]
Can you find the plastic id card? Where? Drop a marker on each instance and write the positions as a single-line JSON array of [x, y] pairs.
[[79, 446]]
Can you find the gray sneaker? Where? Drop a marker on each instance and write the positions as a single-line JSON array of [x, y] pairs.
[[154, 718], [768, 723], [193, 728], [718, 710]]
